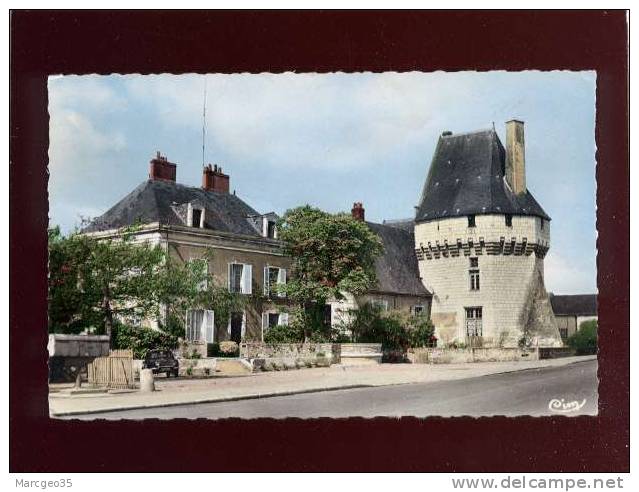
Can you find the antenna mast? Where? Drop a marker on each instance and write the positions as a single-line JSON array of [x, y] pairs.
[[204, 122]]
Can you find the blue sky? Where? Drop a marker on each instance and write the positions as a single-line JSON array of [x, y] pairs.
[[327, 140]]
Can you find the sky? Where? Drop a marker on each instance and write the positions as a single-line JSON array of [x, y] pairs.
[[328, 140]]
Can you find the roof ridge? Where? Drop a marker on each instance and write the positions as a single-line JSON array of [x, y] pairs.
[[465, 134]]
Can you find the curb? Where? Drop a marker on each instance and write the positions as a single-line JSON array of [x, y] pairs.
[[254, 396]]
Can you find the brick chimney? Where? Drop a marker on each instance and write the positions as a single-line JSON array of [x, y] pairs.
[[358, 211], [161, 169], [213, 179], [515, 156]]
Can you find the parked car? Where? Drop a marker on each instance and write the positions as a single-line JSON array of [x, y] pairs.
[[161, 361]]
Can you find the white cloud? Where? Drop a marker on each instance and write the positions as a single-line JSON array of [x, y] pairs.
[[565, 276], [330, 120]]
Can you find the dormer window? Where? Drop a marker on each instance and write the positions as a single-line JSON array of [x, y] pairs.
[[269, 228], [195, 216]]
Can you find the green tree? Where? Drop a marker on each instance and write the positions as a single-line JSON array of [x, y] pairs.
[[584, 341], [331, 254], [95, 282]]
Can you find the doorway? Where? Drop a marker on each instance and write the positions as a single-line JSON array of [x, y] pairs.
[[237, 323]]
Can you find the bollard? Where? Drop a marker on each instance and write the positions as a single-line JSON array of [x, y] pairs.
[[146, 380]]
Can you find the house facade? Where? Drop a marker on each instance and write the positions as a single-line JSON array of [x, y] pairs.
[[481, 239], [192, 222]]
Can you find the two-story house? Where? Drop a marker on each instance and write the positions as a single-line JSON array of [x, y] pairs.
[[189, 222]]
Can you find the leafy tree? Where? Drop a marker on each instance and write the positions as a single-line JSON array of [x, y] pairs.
[[331, 254], [95, 282], [584, 341]]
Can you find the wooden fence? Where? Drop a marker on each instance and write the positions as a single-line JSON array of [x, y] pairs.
[[114, 371]]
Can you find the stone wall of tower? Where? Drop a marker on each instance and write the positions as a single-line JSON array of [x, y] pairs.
[[510, 261]]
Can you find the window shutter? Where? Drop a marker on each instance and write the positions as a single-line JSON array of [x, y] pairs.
[[209, 317], [247, 277], [266, 282], [265, 227], [283, 319], [264, 321], [189, 322], [228, 283], [281, 280]]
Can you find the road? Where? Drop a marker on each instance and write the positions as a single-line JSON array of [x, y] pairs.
[[527, 392]]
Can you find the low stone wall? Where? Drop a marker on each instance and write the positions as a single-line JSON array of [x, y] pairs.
[[461, 356], [284, 356], [555, 352], [69, 354], [261, 350], [78, 345], [361, 353]]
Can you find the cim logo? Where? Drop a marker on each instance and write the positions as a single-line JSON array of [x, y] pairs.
[[562, 406]]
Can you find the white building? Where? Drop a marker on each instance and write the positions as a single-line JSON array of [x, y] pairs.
[[481, 239]]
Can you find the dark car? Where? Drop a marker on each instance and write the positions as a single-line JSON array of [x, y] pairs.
[[161, 361]]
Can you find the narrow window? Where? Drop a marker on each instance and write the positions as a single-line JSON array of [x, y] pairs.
[[542, 223], [196, 217], [273, 319], [509, 220], [473, 274], [471, 221], [235, 277]]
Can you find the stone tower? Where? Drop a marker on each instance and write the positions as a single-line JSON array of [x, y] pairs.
[[481, 239]]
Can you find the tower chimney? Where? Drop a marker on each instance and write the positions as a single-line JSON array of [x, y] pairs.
[[161, 169], [515, 156], [358, 211], [213, 179]]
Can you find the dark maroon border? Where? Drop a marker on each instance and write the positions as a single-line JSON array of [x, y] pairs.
[[46, 42]]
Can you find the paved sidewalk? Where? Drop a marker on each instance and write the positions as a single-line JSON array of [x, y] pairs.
[[171, 392]]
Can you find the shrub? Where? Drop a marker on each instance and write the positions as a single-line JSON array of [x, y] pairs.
[[422, 332], [585, 340], [141, 340], [229, 348], [284, 334], [371, 325]]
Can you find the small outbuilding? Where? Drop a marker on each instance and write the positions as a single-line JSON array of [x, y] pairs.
[[571, 311]]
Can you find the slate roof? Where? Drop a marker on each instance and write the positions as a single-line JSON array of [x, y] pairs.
[[396, 269], [466, 177], [164, 202], [575, 305]]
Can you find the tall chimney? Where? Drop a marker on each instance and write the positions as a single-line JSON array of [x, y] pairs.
[[213, 179], [161, 169], [358, 211], [515, 156]]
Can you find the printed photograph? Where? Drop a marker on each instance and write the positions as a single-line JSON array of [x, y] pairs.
[[322, 245]]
